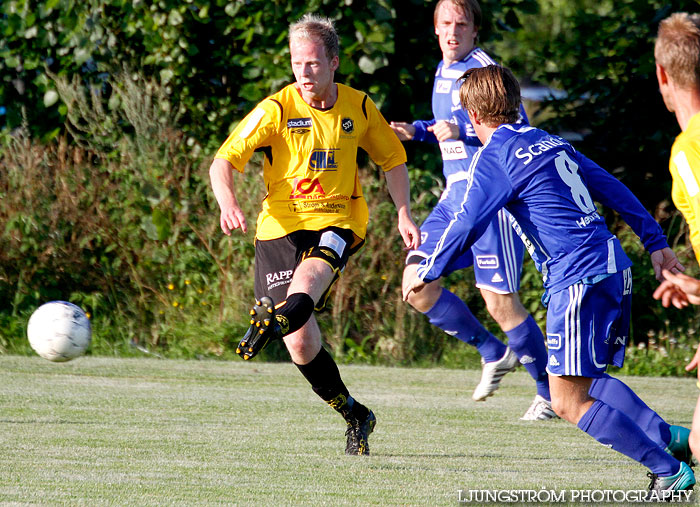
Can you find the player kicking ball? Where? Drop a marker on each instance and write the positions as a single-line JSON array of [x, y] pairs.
[[314, 216], [550, 188]]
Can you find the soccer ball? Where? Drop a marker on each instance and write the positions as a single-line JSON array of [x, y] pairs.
[[59, 331]]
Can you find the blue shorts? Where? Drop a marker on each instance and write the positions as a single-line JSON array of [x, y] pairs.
[[497, 256], [588, 326]]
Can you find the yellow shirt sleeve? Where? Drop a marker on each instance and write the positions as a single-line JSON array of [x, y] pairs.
[[685, 172], [251, 133]]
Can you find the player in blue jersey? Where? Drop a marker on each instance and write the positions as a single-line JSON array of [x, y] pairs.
[[550, 188], [497, 256]]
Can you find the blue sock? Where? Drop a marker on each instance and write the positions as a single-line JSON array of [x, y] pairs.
[[617, 394], [453, 316], [527, 341], [614, 429]]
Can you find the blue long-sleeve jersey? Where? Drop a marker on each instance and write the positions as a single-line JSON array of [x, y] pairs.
[[549, 188], [456, 154]]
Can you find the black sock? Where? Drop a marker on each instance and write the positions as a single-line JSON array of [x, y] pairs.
[[324, 377], [294, 312]]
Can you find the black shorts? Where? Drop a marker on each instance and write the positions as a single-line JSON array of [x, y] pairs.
[[276, 259]]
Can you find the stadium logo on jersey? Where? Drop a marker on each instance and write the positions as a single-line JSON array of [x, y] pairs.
[[453, 150], [297, 123], [323, 160], [554, 342], [443, 86], [303, 188], [348, 125], [487, 261]]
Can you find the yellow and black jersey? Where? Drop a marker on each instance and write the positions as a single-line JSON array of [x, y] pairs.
[[685, 173], [310, 166]]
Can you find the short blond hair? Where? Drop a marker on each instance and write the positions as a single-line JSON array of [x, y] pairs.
[[493, 92], [316, 28], [677, 48]]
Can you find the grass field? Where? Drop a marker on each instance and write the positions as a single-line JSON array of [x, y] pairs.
[[99, 431]]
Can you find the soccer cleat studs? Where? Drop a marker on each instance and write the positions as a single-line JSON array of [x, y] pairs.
[[263, 328]]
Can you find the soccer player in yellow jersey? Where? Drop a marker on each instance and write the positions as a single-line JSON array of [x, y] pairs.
[[314, 215], [677, 54]]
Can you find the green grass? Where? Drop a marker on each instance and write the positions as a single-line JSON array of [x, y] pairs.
[[99, 431]]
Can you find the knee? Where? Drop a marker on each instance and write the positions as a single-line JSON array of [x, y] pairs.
[[568, 410], [694, 441], [426, 298], [559, 407], [421, 301], [506, 309], [302, 348]]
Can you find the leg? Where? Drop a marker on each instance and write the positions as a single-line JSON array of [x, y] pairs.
[[587, 329], [452, 315], [506, 309], [321, 371], [524, 338], [608, 425], [498, 259], [617, 394], [310, 280]]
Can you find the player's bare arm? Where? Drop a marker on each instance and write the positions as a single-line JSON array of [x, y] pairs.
[[399, 189], [444, 130], [221, 176], [405, 131]]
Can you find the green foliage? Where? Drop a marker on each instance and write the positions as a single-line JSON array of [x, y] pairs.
[[602, 55], [122, 226], [114, 108]]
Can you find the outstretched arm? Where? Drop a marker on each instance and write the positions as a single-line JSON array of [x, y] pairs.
[[221, 176], [399, 189]]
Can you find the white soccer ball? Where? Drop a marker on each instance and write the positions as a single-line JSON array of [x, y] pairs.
[[59, 331]]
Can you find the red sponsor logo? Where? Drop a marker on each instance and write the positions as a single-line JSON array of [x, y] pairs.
[[302, 188]]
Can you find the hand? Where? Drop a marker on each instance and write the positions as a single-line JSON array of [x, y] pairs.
[[678, 289], [405, 131], [444, 130], [232, 218], [409, 232], [669, 294], [665, 259], [411, 283]]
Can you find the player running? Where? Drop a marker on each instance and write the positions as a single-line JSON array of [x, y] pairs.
[[314, 216], [498, 255], [549, 188]]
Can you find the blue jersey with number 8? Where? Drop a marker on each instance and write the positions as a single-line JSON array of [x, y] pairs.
[[550, 190]]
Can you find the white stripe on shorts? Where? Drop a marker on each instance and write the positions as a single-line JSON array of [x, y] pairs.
[[572, 331]]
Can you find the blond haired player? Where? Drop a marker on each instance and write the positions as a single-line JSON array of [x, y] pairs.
[[314, 216]]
